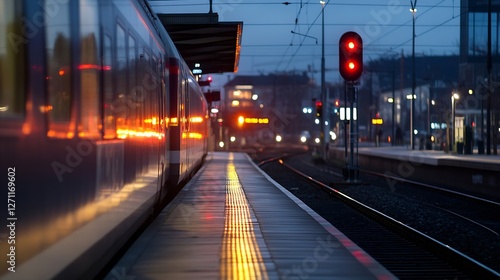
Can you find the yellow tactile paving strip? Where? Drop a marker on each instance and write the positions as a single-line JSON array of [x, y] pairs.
[[241, 256]]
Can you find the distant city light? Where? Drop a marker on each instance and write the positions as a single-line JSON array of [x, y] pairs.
[[333, 135], [307, 110], [255, 97], [316, 121]]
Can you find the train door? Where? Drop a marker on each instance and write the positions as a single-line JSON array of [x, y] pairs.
[[165, 85]]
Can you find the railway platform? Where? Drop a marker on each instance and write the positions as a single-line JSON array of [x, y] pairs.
[[232, 221], [477, 174]]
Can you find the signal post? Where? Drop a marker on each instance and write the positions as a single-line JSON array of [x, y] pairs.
[[351, 68]]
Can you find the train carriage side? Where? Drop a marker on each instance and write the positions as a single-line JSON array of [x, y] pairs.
[[189, 123], [84, 127]]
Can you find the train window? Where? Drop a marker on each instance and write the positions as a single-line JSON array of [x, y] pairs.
[[147, 101], [136, 95], [148, 79], [58, 55], [187, 103], [109, 121], [120, 105], [132, 59], [12, 56], [182, 105], [89, 70]]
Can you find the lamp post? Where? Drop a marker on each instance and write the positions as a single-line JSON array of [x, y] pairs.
[[430, 102], [323, 97], [454, 97], [323, 91], [413, 10]]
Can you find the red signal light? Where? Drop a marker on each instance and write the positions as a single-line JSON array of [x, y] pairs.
[[351, 56], [206, 82], [319, 108]]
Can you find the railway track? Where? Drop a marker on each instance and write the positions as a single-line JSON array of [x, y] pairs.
[[405, 251], [478, 211]]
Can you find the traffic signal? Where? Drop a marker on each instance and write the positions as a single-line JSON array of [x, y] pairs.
[[319, 108], [206, 82], [351, 56]]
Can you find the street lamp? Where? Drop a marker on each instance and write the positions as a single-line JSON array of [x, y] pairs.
[[413, 11], [454, 97], [430, 102]]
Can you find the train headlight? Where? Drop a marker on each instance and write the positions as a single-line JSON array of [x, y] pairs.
[[278, 138]]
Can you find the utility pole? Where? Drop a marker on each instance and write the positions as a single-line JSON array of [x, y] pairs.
[[323, 86], [488, 99], [413, 10]]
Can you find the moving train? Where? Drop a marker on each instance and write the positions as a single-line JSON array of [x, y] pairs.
[[100, 120]]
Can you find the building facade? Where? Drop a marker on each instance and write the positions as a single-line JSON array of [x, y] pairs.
[[257, 109]]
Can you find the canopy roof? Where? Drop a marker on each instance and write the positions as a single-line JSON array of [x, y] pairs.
[[202, 39]]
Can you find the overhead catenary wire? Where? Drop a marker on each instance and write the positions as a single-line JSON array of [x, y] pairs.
[[286, 59], [197, 3], [304, 38]]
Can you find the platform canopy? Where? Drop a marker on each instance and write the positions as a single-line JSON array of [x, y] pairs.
[[203, 40]]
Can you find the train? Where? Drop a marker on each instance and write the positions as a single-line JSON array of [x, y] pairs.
[[101, 120]]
